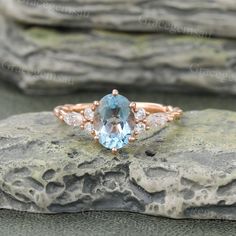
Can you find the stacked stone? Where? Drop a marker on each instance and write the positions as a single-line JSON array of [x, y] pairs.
[[171, 49]]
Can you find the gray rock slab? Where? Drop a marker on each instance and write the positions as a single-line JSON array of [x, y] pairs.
[[186, 170], [205, 18], [48, 61]]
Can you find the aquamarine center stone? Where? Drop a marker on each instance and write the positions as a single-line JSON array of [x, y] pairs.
[[114, 121]]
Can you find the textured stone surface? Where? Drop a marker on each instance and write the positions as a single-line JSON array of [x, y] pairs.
[[43, 61], [105, 223], [215, 17], [186, 170]]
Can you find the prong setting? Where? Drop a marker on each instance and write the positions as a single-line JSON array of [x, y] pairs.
[[61, 117], [133, 106], [96, 103], [136, 133], [114, 150], [115, 92], [93, 132], [132, 139]]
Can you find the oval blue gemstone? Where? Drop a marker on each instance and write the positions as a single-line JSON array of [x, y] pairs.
[[114, 121]]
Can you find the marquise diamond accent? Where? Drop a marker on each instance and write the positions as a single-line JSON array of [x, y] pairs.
[[73, 119], [157, 119]]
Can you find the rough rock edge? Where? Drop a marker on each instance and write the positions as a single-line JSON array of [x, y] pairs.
[[47, 61], [44, 169], [189, 17]]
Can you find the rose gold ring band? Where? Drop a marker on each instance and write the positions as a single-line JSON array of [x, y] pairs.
[[174, 112]]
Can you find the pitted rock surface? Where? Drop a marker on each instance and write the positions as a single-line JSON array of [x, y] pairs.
[[186, 170]]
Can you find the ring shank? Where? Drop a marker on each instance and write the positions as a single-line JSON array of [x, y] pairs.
[[149, 107]]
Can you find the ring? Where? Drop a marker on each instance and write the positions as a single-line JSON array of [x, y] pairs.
[[114, 121]]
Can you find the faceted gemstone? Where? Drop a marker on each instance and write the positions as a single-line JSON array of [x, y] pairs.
[[88, 127], [140, 127], [157, 119], [88, 114], [73, 118], [114, 121], [140, 114]]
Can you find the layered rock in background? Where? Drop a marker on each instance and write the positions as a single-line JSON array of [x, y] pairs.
[[214, 17], [48, 61], [186, 170]]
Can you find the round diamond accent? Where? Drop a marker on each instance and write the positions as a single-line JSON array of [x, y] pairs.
[[88, 114], [73, 119], [88, 127], [114, 121], [140, 127], [140, 114]]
